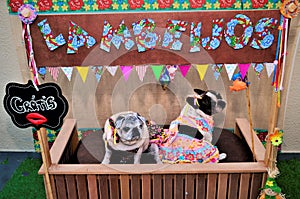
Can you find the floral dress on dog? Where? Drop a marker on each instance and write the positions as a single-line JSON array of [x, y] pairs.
[[180, 148]]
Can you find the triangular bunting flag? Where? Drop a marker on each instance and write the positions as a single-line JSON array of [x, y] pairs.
[[217, 68], [98, 70], [141, 71], [258, 68], [54, 71], [244, 69], [42, 72], [172, 70], [201, 68], [126, 70], [230, 68], [184, 69], [68, 72], [157, 70], [270, 68], [83, 71], [112, 69]]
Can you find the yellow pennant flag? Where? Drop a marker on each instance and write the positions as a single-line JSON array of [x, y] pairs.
[[83, 71], [201, 68]]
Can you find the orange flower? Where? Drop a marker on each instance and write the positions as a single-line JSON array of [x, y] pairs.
[[276, 138]]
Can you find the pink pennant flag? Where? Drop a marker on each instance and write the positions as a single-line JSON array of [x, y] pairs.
[[244, 69], [141, 71], [54, 72], [184, 69], [126, 70]]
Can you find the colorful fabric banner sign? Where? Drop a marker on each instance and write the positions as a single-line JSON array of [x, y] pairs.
[[126, 70]]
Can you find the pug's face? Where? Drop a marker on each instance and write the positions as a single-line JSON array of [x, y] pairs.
[[130, 128]]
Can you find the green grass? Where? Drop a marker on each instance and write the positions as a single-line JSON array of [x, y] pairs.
[[289, 178], [26, 183]]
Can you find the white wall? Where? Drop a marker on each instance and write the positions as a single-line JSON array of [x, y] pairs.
[[11, 137], [12, 55]]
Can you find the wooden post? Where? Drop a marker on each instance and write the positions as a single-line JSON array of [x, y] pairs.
[[251, 122], [271, 128], [42, 135]]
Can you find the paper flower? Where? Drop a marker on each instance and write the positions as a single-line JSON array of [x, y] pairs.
[[27, 13], [276, 137]]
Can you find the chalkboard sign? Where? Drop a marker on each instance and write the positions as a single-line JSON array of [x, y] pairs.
[[41, 106]]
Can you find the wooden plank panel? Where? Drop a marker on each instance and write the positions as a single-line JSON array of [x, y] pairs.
[[244, 186], [190, 186], [60, 187], [240, 167], [62, 139], [255, 184], [124, 184], [179, 186], [201, 185], [211, 185], [222, 185], [103, 186], [157, 186], [81, 186], [114, 186], [146, 186], [233, 187], [92, 186], [168, 187], [135, 187], [71, 186], [259, 149]]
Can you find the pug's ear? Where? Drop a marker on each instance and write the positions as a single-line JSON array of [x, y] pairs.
[[140, 117], [220, 105], [120, 119]]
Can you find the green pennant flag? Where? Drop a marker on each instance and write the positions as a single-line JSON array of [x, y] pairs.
[[157, 69]]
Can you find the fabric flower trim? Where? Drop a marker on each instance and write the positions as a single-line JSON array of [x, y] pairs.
[[27, 13], [276, 137]]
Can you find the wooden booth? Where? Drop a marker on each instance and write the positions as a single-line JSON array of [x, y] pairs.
[[229, 34]]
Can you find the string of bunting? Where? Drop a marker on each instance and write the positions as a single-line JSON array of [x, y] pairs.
[[158, 70]]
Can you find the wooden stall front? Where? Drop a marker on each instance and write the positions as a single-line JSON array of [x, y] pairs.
[[222, 180]]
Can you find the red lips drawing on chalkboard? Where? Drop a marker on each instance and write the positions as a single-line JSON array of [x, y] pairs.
[[42, 107]]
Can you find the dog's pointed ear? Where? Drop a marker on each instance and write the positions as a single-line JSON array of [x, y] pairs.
[[191, 102], [199, 91], [119, 121]]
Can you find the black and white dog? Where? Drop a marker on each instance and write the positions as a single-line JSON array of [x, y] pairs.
[[203, 104], [127, 132]]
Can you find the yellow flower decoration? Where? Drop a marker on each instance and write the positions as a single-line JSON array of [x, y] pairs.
[[276, 138], [270, 183]]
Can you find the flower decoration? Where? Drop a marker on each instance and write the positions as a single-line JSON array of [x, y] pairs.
[[290, 8], [276, 137], [27, 13]]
